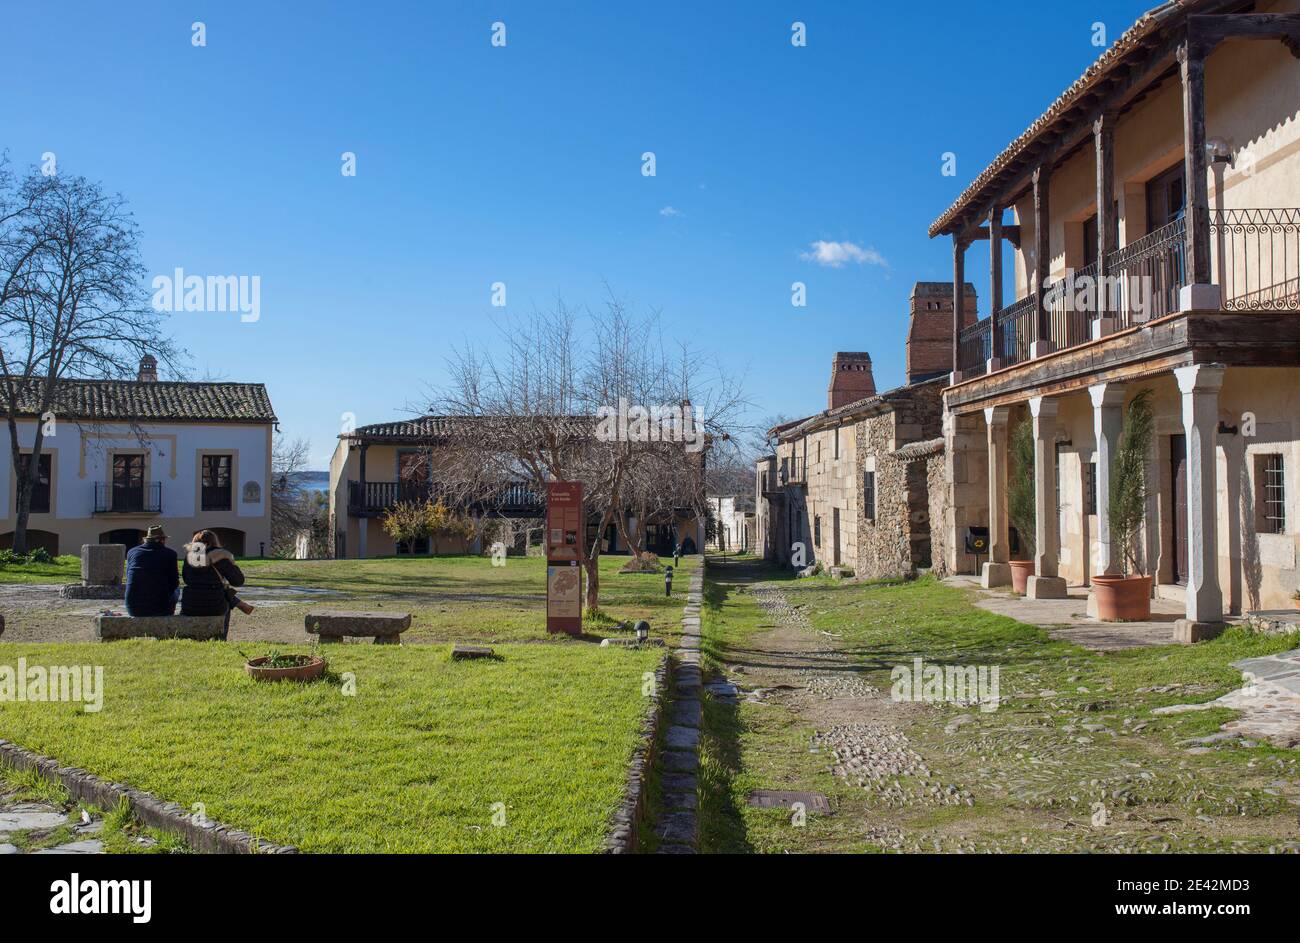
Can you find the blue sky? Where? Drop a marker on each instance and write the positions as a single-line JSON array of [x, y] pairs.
[[522, 164]]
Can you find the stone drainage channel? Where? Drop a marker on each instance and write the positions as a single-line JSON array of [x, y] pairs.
[[677, 823]]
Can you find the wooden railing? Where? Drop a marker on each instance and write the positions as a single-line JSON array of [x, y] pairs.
[[515, 497], [1016, 330]]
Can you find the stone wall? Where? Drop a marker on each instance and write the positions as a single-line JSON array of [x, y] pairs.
[[937, 494]]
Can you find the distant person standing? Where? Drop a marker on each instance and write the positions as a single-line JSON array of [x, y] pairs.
[[152, 580]]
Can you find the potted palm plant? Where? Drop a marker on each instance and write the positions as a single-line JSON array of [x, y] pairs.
[[1020, 503], [1126, 596]]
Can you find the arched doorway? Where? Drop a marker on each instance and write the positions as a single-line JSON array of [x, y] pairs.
[[129, 536], [35, 538], [231, 539]]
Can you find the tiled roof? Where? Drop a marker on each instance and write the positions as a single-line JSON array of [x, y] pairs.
[[924, 449], [425, 428], [170, 401], [1147, 24], [869, 404]]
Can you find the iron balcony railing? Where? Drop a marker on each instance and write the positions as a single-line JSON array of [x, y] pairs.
[[1254, 259], [514, 497], [139, 498]]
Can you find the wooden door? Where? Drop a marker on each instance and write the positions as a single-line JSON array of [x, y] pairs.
[[1178, 480]]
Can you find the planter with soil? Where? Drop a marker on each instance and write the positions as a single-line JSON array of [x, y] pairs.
[[1122, 598], [278, 667], [1021, 570]]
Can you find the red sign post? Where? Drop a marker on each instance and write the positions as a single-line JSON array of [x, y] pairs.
[[565, 535]]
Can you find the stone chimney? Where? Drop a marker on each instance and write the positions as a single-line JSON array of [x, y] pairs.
[[851, 379], [929, 335], [148, 369]]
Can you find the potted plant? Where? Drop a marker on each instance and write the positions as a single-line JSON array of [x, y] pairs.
[[1020, 503], [1126, 596], [279, 667]]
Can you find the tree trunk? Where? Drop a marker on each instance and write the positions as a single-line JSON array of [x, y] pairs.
[[592, 565], [24, 479]]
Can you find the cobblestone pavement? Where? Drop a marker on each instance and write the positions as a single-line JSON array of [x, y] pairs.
[[25, 824]]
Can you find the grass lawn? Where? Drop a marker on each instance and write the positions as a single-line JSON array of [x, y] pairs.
[[1034, 772], [417, 760], [450, 598], [64, 569]]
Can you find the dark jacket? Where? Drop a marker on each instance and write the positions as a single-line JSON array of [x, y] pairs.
[[203, 594], [150, 579]]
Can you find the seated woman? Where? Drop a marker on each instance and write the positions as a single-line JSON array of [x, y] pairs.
[[209, 573]]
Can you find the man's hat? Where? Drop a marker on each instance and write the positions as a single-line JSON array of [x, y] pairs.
[[155, 532]]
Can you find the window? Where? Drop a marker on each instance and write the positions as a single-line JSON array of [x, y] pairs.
[[41, 488], [837, 441], [215, 489], [869, 495], [420, 547], [1270, 477], [1090, 487], [128, 483], [819, 450], [1090, 240], [817, 531]]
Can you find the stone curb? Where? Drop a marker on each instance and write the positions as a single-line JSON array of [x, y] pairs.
[[679, 759], [625, 824], [209, 838]]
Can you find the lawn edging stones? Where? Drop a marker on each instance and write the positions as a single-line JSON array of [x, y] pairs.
[[631, 812], [201, 834]]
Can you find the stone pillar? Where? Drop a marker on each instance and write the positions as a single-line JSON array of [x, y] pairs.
[[997, 571], [1107, 424], [965, 460], [1045, 584], [1199, 385]]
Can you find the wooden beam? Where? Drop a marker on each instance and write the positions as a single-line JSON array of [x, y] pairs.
[[1103, 135], [995, 283], [1191, 63], [959, 245], [1042, 178], [1211, 29]]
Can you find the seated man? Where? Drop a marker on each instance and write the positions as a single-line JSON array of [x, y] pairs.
[[152, 579]]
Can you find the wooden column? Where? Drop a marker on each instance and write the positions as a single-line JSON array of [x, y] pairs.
[[1103, 135], [1191, 62], [1042, 257], [958, 300], [995, 288]]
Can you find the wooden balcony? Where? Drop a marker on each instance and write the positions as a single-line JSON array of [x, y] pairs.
[[1255, 258], [509, 499]]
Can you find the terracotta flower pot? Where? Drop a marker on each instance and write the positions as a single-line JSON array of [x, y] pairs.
[[1021, 570], [1122, 598], [306, 672]]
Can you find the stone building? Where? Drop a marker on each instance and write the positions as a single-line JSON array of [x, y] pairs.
[[1153, 226], [850, 487]]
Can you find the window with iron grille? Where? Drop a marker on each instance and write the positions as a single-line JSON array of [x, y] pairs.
[[216, 483], [869, 495], [1270, 476], [1090, 487], [817, 530]]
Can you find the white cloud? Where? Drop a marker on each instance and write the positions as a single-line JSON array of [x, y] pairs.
[[835, 254], [670, 211]]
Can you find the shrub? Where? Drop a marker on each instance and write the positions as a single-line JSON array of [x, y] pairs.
[[1020, 487], [1128, 483]]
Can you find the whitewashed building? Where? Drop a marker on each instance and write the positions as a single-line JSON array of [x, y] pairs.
[[119, 455]]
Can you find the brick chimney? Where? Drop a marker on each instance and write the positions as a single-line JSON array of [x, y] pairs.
[[851, 379], [929, 335], [148, 369]]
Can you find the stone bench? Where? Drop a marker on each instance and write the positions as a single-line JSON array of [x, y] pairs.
[[112, 627], [331, 625]]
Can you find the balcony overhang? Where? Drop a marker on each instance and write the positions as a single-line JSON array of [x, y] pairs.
[[1235, 338]]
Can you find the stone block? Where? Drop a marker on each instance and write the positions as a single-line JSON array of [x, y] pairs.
[[110, 628], [996, 574], [1187, 631], [333, 624], [465, 652], [103, 564], [1046, 587]]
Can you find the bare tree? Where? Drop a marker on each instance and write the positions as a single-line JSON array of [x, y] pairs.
[[292, 511], [536, 407], [72, 305]]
